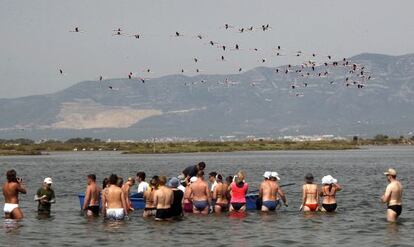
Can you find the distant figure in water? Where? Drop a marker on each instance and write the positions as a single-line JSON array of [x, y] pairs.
[[177, 205], [163, 199], [200, 194], [221, 195], [150, 208], [238, 191], [393, 195], [328, 193], [11, 190], [92, 196], [127, 188], [113, 200], [310, 195], [270, 191], [45, 197], [142, 185]]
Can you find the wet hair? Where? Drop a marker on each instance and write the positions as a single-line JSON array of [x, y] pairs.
[[113, 179], [201, 165], [105, 183], [219, 178], [309, 178], [229, 179], [11, 175], [163, 180], [141, 175], [92, 177], [200, 173], [212, 174], [120, 182]]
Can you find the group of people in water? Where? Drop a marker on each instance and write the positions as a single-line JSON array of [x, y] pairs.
[[167, 199]]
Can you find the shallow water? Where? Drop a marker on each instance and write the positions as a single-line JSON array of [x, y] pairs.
[[360, 219]]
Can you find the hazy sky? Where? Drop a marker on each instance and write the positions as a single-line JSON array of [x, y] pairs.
[[35, 40]]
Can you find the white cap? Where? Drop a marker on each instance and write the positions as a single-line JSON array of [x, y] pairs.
[[47, 181], [329, 180], [267, 174], [275, 175], [193, 179]]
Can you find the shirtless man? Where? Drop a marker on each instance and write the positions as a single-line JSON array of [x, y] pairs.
[[163, 198], [393, 196], [92, 197], [113, 200], [200, 193], [11, 190], [269, 192], [127, 188], [150, 208]]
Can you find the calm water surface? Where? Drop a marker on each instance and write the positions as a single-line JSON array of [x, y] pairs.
[[359, 220]]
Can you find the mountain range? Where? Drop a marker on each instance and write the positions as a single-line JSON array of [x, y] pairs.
[[261, 102]]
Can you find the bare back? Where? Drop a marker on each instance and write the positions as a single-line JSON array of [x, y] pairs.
[[220, 193], [93, 195], [394, 193], [268, 190], [200, 191], [310, 193], [11, 192], [149, 198], [114, 197], [163, 198]]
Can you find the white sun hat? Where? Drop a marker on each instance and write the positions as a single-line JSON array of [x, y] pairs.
[[267, 174], [193, 179], [48, 181], [328, 179], [275, 175]]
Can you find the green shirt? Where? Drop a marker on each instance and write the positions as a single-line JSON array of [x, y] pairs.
[[50, 195]]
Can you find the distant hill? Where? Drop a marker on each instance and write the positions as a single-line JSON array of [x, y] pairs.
[[259, 102]]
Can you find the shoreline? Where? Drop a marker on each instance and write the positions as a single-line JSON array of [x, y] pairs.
[[188, 147]]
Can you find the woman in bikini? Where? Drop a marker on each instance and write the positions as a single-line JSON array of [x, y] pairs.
[[220, 194], [150, 207], [188, 203], [310, 195], [328, 192]]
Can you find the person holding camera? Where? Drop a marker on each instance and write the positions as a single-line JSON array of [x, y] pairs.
[[11, 190]]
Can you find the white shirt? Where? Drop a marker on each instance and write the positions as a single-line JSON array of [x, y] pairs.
[[142, 187], [213, 186]]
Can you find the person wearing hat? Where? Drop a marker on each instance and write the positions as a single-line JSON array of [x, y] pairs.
[[310, 195], [328, 192], [177, 205], [393, 195], [269, 192], [45, 197]]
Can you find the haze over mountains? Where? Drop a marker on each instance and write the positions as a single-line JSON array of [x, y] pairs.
[[257, 102]]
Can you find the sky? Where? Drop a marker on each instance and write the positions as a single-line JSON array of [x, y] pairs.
[[36, 41]]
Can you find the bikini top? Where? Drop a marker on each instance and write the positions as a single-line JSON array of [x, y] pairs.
[[308, 192]]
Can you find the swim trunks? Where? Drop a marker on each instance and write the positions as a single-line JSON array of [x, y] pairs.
[[396, 208], [200, 205], [237, 206], [94, 209], [115, 213], [150, 211], [9, 207], [270, 205], [329, 207], [163, 214], [312, 207]]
